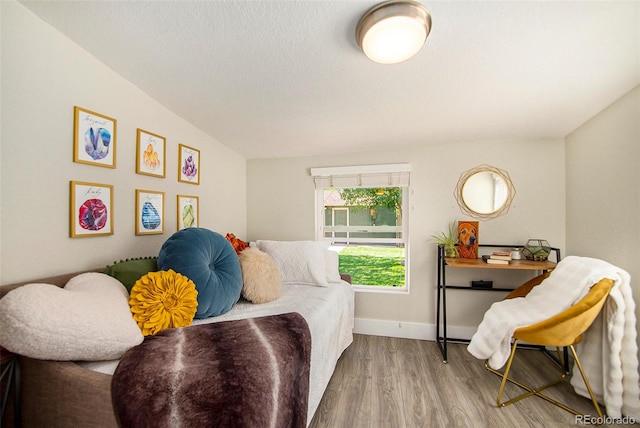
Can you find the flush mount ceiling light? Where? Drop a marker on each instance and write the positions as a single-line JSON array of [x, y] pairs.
[[393, 31]]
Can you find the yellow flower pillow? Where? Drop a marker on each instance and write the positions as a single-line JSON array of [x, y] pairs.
[[162, 300]]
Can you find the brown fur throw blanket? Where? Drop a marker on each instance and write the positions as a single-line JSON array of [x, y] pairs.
[[245, 373]]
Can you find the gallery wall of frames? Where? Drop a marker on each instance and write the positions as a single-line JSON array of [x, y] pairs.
[[92, 204]]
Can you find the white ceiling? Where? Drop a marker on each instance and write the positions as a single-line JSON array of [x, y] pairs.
[[286, 78]]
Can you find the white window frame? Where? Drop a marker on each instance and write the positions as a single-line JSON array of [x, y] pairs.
[[395, 175], [333, 221]]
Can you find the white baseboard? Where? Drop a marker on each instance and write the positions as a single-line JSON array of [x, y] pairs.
[[407, 330]]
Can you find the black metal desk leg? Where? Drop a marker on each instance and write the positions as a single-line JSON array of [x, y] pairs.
[[10, 375]]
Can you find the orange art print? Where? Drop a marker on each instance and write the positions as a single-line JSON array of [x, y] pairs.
[[468, 239]]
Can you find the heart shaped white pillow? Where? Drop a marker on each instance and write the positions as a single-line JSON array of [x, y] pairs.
[[89, 319]]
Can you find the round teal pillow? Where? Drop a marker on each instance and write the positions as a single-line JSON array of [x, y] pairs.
[[209, 260]]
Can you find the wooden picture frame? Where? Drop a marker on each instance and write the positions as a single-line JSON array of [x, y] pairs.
[[188, 164], [149, 212], [150, 154], [94, 138], [90, 209], [188, 211]]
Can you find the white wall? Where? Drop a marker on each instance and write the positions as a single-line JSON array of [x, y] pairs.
[[603, 187], [280, 195], [44, 75]]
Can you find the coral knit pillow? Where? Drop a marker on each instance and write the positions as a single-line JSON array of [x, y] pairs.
[[238, 244]]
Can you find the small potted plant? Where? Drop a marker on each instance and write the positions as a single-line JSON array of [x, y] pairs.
[[449, 240]]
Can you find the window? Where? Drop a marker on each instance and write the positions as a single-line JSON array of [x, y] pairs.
[[362, 212]]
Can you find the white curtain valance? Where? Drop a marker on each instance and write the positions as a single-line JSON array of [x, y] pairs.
[[393, 175]]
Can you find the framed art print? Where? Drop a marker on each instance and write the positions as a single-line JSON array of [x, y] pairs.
[[150, 150], [188, 212], [188, 164], [468, 239], [94, 138], [91, 209], [149, 212]]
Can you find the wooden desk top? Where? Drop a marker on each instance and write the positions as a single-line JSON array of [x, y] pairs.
[[513, 264]]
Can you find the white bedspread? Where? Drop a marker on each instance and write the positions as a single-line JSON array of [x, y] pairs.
[[609, 352], [329, 311]]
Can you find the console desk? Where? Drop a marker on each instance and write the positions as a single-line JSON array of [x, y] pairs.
[[447, 262]]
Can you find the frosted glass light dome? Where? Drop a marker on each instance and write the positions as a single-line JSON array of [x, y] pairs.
[[394, 31]]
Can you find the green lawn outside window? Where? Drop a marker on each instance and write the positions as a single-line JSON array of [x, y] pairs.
[[375, 266]]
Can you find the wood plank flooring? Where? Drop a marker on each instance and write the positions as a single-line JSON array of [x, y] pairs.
[[390, 382]]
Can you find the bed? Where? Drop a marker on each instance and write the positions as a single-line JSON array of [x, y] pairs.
[[77, 393]]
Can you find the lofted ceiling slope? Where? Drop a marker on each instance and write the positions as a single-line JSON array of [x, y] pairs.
[[278, 78]]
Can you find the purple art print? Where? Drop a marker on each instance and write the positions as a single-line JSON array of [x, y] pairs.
[[189, 164]]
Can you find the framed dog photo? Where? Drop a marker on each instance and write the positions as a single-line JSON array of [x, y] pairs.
[[149, 212], [150, 154], [94, 138], [91, 209], [188, 211], [188, 164]]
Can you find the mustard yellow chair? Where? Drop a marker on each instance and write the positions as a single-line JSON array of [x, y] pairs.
[[562, 330]]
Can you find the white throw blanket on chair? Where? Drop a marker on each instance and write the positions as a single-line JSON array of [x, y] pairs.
[[609, 354], [609, 349]]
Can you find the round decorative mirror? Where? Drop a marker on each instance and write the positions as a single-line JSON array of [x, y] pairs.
[[484, 192]]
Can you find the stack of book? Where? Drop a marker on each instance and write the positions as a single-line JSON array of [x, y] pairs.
[[498, 258]]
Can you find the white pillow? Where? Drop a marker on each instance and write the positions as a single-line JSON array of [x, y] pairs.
[[299, 262], [333, 272], [89, 319]]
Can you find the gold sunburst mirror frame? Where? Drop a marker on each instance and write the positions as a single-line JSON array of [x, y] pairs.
[[485, 192]]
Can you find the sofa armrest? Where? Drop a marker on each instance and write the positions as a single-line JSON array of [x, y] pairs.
[[346, 277], [59, 280], [63, 394]]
